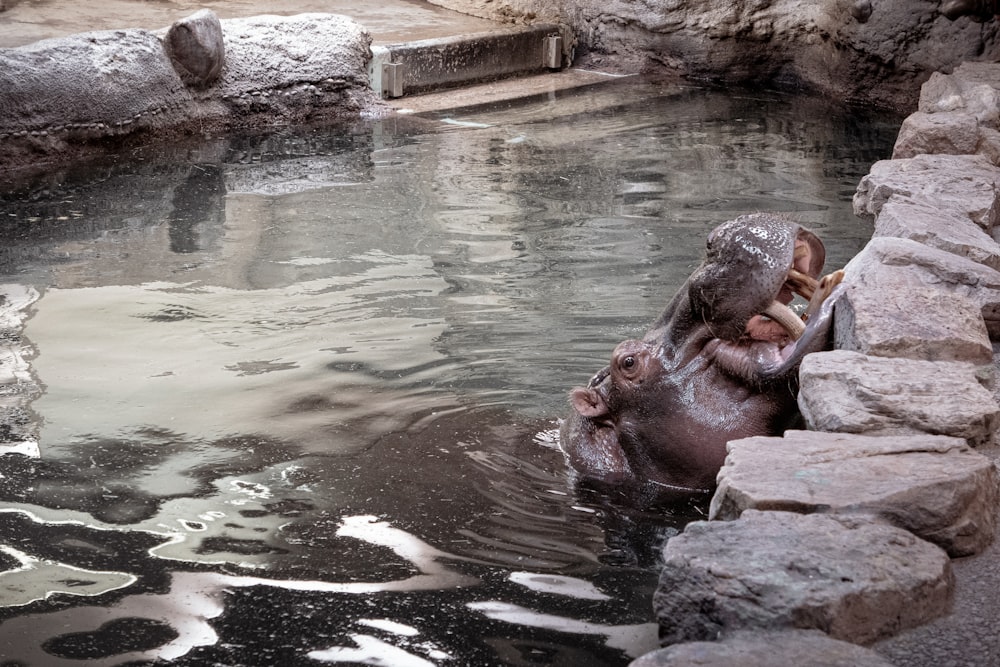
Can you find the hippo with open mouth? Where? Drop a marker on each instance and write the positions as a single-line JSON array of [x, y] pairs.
[[719, 364]]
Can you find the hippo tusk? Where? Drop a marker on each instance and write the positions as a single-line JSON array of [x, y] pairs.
[[815, 290], [787, 318], [824, 286], [802, 283]]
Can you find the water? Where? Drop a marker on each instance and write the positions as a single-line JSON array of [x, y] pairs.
[[300, 389]]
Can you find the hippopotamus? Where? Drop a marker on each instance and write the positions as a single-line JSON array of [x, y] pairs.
[[719, 364]]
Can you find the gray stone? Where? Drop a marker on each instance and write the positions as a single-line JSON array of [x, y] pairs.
[[893, 314], [801, 648], [908, 300], [950, 132], [965, 183], [944, 229], [851, 577], [972, 88], [848, 392], [196, 48], [60, 97], [936, 487]]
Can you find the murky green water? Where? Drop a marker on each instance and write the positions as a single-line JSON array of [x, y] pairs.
[[299, 389]]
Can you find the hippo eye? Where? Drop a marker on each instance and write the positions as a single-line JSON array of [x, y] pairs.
[[628, 362]]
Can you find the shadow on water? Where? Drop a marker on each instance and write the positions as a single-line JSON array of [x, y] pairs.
[[301, 390]]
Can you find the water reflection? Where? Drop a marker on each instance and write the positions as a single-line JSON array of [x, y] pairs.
[[300, 391]]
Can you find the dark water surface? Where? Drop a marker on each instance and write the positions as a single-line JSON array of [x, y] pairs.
[[300, 390]]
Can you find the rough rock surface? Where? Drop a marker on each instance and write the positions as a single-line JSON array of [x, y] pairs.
[[848, 392], [196, 47], [963, 183], [936, 487], [908, 300], [945, 229], [851, 577], [959, 113], [881, 55], [57, 96], [802, 648]]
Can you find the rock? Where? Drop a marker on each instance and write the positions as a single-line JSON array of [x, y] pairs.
[[936, 487], [850, 50], [851, 577], [60, 98], [802, 648], [847, 392], [952, 132], [196, 48], [944, 229], [908, 300], [958, 113], [973, 88], [302, 56], [965, 183]]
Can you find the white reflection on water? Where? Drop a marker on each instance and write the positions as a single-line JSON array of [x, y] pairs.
[[34, 579], [633, 640], [558, 585], [194, 598], [370, 651]]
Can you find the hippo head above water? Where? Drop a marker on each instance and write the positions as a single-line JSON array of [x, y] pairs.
[[719, 364]]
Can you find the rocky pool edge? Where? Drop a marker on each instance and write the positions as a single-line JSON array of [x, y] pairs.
[[822, 542]]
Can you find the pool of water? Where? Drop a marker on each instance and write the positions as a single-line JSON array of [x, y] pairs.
[[300, 390]]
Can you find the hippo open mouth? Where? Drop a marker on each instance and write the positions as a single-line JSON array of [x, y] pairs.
[[719, 364], [778, 322]]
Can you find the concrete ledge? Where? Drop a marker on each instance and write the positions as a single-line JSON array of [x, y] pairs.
[[433, 64]]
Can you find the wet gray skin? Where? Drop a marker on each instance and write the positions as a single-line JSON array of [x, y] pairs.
[[710, 370]]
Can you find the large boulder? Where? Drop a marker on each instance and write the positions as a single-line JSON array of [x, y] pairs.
[[963, 183], [936, 487], [947, 229], [959, 113], [853, 577], [802, 648], [848, 392], [906, 299]]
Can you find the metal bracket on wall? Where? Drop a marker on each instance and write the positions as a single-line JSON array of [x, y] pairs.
[[392, 80], [552, 52], [385, 76]]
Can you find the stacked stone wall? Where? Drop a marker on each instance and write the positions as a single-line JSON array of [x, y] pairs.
[[810, 533]]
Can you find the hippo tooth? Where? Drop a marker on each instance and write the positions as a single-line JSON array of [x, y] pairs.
[[802, 283], [787, 318], [824, 286]]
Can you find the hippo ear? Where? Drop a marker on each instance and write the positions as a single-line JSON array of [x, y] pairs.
[[588, 402], [817, 252]]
